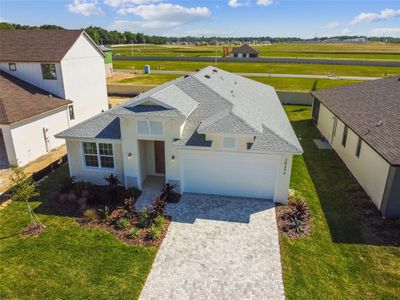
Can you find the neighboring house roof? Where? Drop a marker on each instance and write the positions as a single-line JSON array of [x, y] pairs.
[[245, 48], [104, 48], [213, 100], [20, 100], [38, 45], [372, 110]]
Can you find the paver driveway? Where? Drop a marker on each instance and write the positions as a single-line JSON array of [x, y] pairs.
[[218, 248]]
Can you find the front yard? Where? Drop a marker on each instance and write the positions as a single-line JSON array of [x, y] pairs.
[[344, 258]]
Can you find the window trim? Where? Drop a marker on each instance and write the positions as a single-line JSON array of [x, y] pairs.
[[55, 70], [344, 136], [99, 167], [12, 64], [358, 147], [148, 122], [228, 148]]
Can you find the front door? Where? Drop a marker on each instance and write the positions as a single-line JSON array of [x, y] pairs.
[[159, 153]]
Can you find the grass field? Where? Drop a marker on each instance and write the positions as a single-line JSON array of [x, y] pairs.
[[66, 261], [337, 261], [280, 84], [374, 51], [262, 68]]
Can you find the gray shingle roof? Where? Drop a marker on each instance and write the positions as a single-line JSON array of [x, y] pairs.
[[362, 106], [213, 100]]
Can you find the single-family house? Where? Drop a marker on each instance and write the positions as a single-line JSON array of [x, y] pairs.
[[362, 124], [245, 51], [212, 132], [43, 74]]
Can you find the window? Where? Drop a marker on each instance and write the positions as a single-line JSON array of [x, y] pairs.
[[150, 127], [229, 142], [12, 67], [71, 112], [334, 128], [358, 149], [344, 138], [98, 155], [49, 71]]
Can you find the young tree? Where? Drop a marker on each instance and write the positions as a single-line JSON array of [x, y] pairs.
[[24, 189]]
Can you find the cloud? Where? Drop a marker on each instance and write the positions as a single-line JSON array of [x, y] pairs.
[[264, 2], [331, 25], [3, 19], [234, 3], [120, 3], [345, 31], [385, 14], [386, 31], [85, 8]]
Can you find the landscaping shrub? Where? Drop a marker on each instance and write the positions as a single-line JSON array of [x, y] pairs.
[[134, 232], [133, 193], [90, 215], [154, 232], [129, 205], [144, 218], [113, 187], [168, 192], [122, 223], [298, 206], [117, 214], [157, 207], [159, 221], [104, 213]]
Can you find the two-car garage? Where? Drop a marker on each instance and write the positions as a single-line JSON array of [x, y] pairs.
[[229, 173]]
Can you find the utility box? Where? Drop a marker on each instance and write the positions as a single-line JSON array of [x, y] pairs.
[[147, 69]]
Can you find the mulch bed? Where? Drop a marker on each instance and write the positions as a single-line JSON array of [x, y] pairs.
[[283, 223], [123, 234], [33, 230]]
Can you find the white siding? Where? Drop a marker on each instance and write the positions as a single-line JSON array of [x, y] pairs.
[[9, 145], [76, 166], [370, 169], [85, 80], [28, 138], [32, 73]]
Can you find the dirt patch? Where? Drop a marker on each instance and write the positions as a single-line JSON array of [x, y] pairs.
[[287, 226], [33, 230], [116, 100], [117, 76], [124, 234]]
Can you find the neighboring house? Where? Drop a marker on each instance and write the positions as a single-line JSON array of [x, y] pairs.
[[213, 132], [245, 51], [362, 123], [29, 118], [65, 63], [107, 60], [61, 83]]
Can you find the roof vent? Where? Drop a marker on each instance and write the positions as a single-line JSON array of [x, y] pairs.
[[380, 123], [215, 70], [207, 76], [50, 96], [186, 76], [235, 82]]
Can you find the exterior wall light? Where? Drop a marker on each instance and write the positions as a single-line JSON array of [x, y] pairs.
[[129, 155], [173, 157]]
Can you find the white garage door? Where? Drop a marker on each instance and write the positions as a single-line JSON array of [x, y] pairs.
[[232, 174]]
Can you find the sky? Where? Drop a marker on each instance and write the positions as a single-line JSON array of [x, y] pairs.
[[276, 18]]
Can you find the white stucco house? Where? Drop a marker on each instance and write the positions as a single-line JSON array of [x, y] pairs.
[[50, 81], [213, 132], [362, 124]]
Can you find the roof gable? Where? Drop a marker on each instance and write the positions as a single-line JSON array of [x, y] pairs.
[[245, 48]]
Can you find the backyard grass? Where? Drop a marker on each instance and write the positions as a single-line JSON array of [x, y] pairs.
[[374, 51], [310, 69], [340, 259], [66, 261], [280, 84]]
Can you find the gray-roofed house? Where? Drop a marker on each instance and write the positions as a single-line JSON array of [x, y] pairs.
[[213, 132], [362, 124]]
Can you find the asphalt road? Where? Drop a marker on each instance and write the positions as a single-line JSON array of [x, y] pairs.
[[264, 75], [323, 61]]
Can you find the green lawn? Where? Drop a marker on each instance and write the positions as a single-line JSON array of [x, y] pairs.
[[310, 69], [280, 84], [373, 51], [66, 261], [338, 261]]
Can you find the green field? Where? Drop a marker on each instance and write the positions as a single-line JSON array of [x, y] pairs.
[[373, 51], [314, 69], [342, 258], [280, 84]]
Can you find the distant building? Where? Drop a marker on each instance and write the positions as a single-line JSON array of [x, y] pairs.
[[107, 60], [245, 51]]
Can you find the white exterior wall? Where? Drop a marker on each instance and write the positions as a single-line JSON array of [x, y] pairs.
[[370, 169], [28, 139], [32, 73], [9, 145], [96, 176], [85, 80]]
